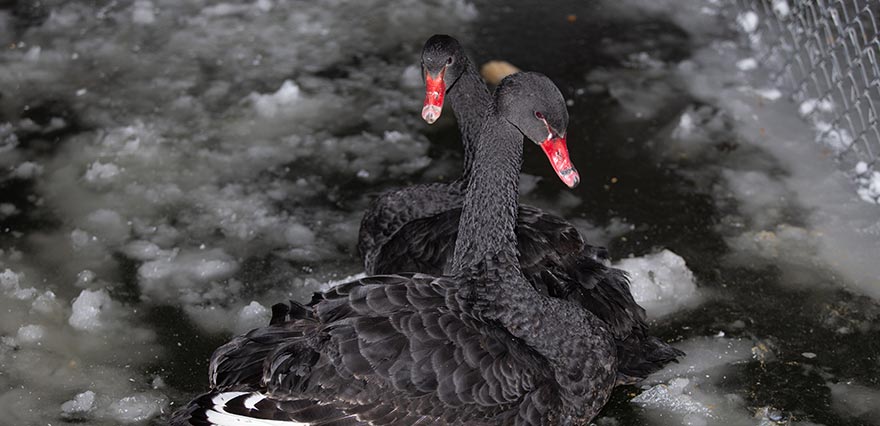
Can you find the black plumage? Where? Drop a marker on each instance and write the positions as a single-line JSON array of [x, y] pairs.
[[478, 346], [414, 229]]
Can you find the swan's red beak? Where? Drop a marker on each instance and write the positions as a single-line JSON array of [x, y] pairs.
[[435, 89], [557, 152]]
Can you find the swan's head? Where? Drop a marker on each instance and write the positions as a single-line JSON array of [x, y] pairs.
[[532, 103], [442, 63]]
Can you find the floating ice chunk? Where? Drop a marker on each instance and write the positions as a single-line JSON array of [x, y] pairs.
[[30, 333], [81, 403], [264, 5], [761, 196], [100, 173], [226, 9], [748, 21], [143, 250], [142, 12], [137, 408], [747, 64], [88, 308], [27, 170], [185, 273], [661, 282], [8, 138], [685, 126], [268, 106], [79, 239], [108, 225], [672, 397], [8, 209], [9, 279], [158, 383], [298, 235], [689, 390], [643, 60], [10, 283], [46, 304], [394, 136], [84, 278], [252, 316], [856, 401]]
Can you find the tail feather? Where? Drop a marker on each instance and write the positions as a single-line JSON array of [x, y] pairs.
[[257, 409]]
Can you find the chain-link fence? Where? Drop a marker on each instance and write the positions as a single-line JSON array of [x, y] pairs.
[[826, 53]]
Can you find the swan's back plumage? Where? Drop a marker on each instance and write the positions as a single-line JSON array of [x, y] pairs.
[[396, 343]]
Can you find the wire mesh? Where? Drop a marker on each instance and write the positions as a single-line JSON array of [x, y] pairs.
[[827, 51]]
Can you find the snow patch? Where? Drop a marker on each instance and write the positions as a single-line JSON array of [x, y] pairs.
[[748, 21], [747, 64], [868, 181], [661, 282]]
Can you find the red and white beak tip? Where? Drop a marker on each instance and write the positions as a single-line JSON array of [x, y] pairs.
[[556, 150], [435, 90], [430, 113]]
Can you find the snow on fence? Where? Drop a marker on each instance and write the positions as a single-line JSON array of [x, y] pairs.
[[826, 53]]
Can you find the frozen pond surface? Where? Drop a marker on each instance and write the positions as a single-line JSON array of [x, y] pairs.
[[170, 169]]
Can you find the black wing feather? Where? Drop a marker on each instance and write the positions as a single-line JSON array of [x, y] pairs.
[[556, 261]]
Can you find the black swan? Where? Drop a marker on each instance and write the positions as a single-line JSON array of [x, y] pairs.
[[476, 347], [414, 229]]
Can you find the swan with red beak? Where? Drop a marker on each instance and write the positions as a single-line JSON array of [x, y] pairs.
[[441, 68]]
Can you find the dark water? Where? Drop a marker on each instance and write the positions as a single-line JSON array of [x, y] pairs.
[[669, 200]]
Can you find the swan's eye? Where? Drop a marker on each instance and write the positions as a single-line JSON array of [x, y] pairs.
[[449, 61], [539, 116]]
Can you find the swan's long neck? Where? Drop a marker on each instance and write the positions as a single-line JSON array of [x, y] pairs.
[[488, 217], [494, 288], [469, 99]]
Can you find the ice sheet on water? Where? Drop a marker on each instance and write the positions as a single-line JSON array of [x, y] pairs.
[[853, 400], [80, 403], [60, 350], [689, 393]]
